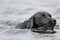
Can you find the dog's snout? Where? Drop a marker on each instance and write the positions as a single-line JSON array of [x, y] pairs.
[[53, 21]]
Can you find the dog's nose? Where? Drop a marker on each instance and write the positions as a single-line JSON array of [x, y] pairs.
[[54, 22]]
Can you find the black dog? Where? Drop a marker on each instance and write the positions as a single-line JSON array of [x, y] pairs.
[[41, 20]]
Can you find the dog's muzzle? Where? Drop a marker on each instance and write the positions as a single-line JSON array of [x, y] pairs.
[[52, 23]]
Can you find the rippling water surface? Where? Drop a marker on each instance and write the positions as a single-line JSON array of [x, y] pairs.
[[13, 12]]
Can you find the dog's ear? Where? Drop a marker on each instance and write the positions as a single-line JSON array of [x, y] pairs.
[[30, 23]]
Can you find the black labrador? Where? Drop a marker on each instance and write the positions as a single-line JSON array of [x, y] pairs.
[[40, 21]]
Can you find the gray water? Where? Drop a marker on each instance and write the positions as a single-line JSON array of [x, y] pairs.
[[13, 12]]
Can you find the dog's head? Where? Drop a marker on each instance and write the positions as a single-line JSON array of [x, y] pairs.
[[43, 19]]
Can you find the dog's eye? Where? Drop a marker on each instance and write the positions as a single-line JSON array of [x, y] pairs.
[[43, 15], [49, 15]]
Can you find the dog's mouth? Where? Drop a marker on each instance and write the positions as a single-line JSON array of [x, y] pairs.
[[45, 28]]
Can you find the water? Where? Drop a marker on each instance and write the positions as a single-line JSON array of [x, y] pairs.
[[13, 12]]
